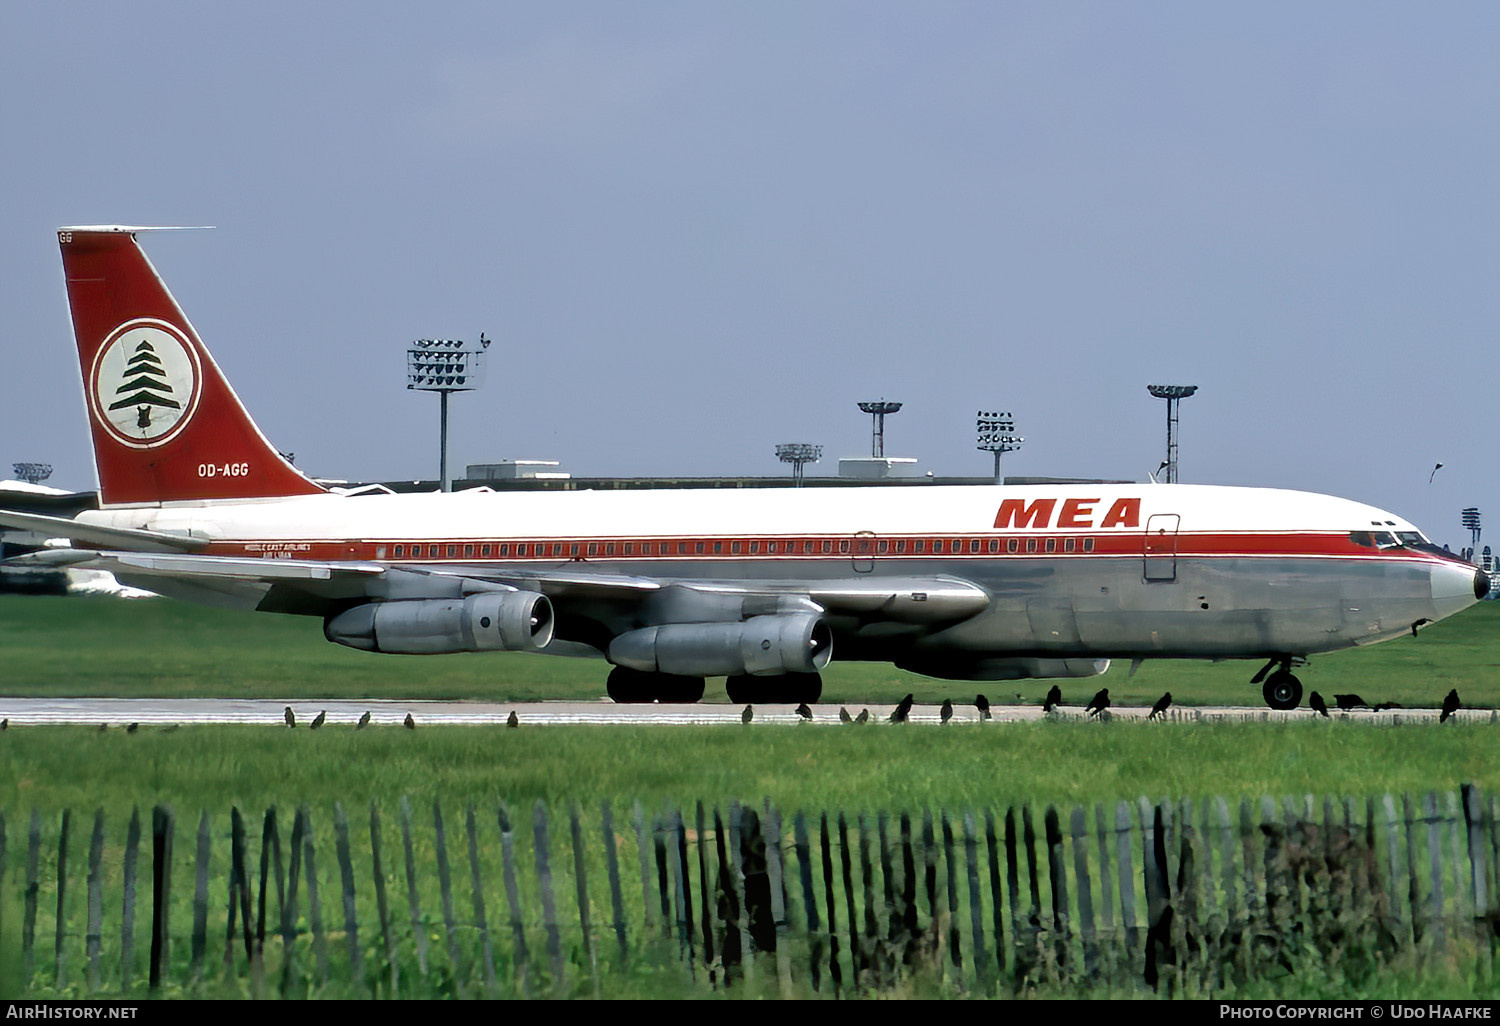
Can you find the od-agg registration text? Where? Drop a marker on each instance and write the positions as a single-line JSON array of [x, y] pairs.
[[223, 470], [1377, 1010]]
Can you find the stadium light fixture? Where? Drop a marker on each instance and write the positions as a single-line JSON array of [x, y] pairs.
[[444, 366], [997, 434], [1173, 394]]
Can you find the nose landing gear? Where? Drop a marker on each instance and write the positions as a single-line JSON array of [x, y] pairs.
[[1281, 689]]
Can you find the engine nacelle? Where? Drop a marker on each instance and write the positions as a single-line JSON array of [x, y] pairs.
[[759, 646], [512, 621], [959, 667]]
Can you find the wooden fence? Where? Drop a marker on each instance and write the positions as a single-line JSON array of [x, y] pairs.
[[1183, 897]]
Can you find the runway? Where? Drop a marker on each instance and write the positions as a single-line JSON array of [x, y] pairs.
[[161, 712]]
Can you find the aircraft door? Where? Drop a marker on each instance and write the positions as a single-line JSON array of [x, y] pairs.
[[1159, 561], [864, 552]]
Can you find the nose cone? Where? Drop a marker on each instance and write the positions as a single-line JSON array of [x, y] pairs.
[[1456, 587]]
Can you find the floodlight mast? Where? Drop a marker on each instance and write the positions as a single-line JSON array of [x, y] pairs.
[[798, 454], [1471, 523], [32, 473], [1173, 394], [878, 409], [997, 434], [445, 365]]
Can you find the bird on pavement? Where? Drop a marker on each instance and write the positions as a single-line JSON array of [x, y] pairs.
[[512, 721], [1160, 708], [947, 711], [902, 710], [364, 721], [1450, 706], [1054, 699], [983, 705], [1350, 702], [409, 723], [747, 715], [863, 717], [1099, 704], [1318, 705], [318, 720], [844, 716], [804, 712], [291, 721]]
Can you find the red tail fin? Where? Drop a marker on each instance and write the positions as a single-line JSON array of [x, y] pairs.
[[166, 425]]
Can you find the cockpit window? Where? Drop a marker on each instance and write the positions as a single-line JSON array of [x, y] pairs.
[[1385, 540], [1362, 538]]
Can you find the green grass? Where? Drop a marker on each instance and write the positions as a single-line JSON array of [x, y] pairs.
[[814, 767], [101, 646]]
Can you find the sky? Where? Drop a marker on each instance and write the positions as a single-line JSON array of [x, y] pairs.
[[696, 230]]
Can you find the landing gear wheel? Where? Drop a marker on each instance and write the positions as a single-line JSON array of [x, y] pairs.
[[1282, 690], [785, 688], [628, 686]]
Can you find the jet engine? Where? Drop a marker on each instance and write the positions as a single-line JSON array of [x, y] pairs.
[[514, 621], [951, 667], [760, 646]]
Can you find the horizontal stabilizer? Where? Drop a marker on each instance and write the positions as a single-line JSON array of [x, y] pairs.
[[100, 537]]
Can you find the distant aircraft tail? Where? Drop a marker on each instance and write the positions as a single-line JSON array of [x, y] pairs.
[[167, 427]]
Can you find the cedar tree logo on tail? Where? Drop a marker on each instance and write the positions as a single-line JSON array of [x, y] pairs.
[[144, 384]]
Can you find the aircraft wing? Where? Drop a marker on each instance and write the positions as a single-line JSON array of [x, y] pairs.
[[311, 586]]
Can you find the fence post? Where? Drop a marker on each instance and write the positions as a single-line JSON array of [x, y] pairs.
[[33, 893], [513, 895], [1078, 827], [382, 907], [809, 902], [997, 909], [549, 906], [705, 897], [643, 853], [419, 931], [976, 914], [200, 899], [314, 907], [476, 884], [162, 821], [445, 894], [1474, 831], [346, 875], [775, 870], [858, 964], [60, 926], [835, 971], [94, 929], [1158, 894], [1057, 873], [616, 898], [580, 882], [1130, 932], [289, 968], [1435, 867]]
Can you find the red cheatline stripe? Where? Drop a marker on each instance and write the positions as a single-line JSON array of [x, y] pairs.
[[841, 547]]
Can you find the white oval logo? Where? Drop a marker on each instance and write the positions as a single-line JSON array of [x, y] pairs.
[[145, 383]]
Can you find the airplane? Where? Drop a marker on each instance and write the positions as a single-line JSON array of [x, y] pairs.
[[670, 587]]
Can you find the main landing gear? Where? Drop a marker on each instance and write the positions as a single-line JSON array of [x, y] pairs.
[[785, 688], [626, 685], [1281, 689]]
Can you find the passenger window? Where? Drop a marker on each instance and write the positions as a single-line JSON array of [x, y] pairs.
[[1012, 545], [994, 545], [399, 548], [1088, 545], [917, 545]]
